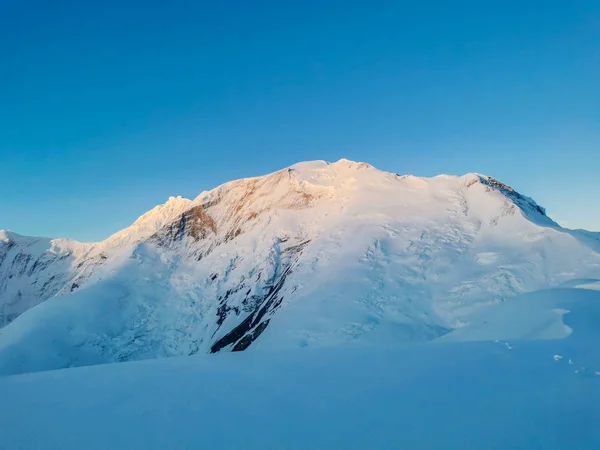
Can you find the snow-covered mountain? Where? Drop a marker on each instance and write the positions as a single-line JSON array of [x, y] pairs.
[[317, 254]]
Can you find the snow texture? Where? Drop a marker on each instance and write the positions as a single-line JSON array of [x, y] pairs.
[[514, 392]]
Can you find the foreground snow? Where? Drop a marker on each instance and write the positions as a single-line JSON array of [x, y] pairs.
[[418, 396], [534, 391]]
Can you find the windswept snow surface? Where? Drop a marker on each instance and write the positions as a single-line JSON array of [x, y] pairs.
[[544, 314], [314, 255], [516, 392]]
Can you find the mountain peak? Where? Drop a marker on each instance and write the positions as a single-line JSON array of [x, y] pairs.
[[164, 208], [321, 164], [526, 204], [10, 236], [353, 164], [6, 235], [151, 221]]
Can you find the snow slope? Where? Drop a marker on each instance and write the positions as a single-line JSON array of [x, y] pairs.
[[33, 269], [314, 255], [517, 392]]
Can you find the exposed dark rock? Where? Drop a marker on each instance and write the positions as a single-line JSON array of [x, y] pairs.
[[232, 234], [525, 203], [195, 223], [245, 342], [270, 304]]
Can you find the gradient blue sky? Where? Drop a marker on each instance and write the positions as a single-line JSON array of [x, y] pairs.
[[107, 108]]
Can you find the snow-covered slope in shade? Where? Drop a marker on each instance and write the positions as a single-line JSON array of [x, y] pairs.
[[507, 394], [33, 270], [314, 255]]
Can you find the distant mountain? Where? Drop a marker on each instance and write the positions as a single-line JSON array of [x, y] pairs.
[[317, 254]]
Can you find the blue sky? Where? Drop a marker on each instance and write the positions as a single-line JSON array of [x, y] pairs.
[[108, 108]]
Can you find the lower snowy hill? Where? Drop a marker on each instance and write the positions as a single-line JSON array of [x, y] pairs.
[[33, 269], [314, 255], [534, 385]]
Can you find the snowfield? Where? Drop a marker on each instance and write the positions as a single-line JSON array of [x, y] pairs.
[[517, 392], [315, 255]]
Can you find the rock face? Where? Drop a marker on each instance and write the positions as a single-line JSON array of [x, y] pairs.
[[317, 254]]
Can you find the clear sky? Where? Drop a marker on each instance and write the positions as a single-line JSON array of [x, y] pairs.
[[109, 107]]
